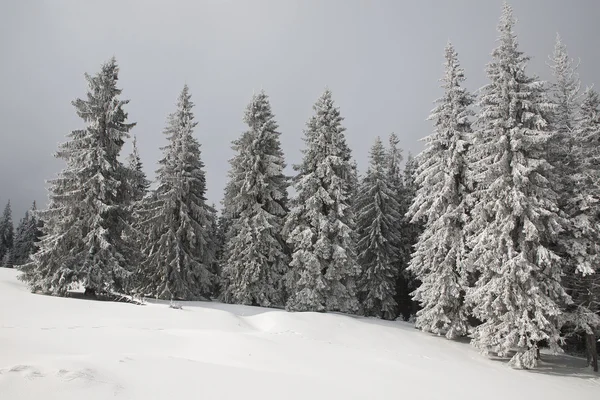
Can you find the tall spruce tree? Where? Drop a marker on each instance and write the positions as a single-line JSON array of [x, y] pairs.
[[564, 93], [573, 154], [6, 234], [582, 270], [439, 257], [411, 229], [137, 188], [378, 213], [83, 241], [320, 224], [256, 258], [514, 218], [179, 249], [395, 179], [26, 236]]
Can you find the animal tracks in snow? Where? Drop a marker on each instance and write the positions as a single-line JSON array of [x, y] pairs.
[[87, 376]]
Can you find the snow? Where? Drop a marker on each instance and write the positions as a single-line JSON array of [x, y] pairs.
[[66, 348]]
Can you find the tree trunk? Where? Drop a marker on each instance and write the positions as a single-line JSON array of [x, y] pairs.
[[592, 351]]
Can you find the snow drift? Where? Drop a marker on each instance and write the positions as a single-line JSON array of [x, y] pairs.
[[64, 348]]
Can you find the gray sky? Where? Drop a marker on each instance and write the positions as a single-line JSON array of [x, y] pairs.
[[382, 60]]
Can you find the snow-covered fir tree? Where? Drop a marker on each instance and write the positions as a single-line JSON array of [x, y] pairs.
[[137, 185], [409, 232], [179, 249], [564, 93], [136, 177], [582, 264], [439, 257], [320, 224], [6, 233], [518, 291], [377, 216], [83, 226], [574, 156], [228, 211], [26, 236], [395, 180], [256, 258]]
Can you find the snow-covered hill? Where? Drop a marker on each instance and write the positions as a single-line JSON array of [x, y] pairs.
[[57, 348]]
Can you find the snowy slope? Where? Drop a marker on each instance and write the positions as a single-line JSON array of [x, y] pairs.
[[56, 348]]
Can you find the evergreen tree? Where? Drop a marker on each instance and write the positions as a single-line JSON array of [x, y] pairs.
[[395, 179], [378, 234], [320, 224], [410, 230], [439, 257], [86, 217], [582, 263], [138, 183], [574, 157], [256, 255], [179, 250], [26, 236], [518, 291], [565, 95], [6, 232], [137, 186]]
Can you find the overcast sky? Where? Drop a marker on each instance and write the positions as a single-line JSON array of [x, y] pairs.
[[381, 59]]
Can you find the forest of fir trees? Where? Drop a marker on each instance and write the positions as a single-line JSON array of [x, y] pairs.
[[491, 232]]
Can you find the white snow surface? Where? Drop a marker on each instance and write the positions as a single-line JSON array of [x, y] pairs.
[[66, 348]]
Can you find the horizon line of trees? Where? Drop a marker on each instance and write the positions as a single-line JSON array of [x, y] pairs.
[[493, 229]]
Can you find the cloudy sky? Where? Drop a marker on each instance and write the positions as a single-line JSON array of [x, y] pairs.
[[382, 60]]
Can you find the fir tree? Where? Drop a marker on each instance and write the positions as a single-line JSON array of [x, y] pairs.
[[6, 232], [565, 96], [582, 264], [179, 250], [395, 180], [320, 224], [26, 236], [86, 217], [410, 230], [439, 257], [378, 234], [573, 154], [515, 212], [255, 255]]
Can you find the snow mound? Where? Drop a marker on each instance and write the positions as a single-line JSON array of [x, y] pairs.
[[63, 348]]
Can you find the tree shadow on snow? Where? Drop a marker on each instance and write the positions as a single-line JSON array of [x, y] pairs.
[[565, 365], [558, 365]]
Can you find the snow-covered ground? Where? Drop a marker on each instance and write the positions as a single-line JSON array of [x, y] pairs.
[[57, 348]]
